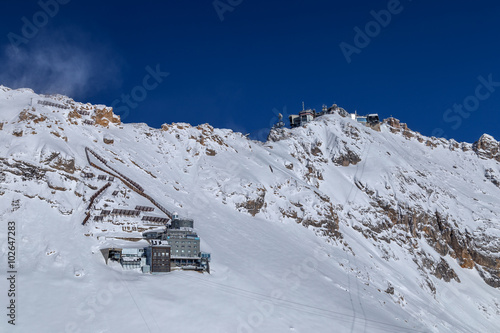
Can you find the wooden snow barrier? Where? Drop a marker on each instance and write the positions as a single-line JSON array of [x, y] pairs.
[[95, 195], [47, 103], [155, 219], [160, 207], [144, 208], [125, 212], [103, 161], [127, 181], [86, 218]]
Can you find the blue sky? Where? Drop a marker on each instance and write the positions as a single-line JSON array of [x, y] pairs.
[[431, 64]]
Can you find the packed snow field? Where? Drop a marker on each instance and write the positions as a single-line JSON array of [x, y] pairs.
[[289, 231]]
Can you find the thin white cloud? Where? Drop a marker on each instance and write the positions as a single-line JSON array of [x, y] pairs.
[[66, 62]]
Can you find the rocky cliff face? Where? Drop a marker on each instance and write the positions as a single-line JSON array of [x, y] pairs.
[[406, 202]]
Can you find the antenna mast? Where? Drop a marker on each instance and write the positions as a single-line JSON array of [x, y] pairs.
[[303, 106]]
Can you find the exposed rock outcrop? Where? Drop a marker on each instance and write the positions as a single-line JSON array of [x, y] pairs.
[[106, 116], [253, 206], [26, 116], [443, 236], [487, 147], [347, 158], [277, 134], [108, 140], [57, 161], [491, 175]]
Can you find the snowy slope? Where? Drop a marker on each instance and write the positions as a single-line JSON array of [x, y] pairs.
[[299, 242]]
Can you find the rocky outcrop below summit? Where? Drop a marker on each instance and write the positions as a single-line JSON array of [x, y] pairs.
[[487, 147]]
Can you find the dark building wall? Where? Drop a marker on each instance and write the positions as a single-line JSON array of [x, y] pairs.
[[160, 259]]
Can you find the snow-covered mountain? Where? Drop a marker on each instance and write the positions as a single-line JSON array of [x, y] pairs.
[[331, 227]]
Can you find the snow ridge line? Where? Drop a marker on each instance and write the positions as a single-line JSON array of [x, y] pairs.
[[125, 180]]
